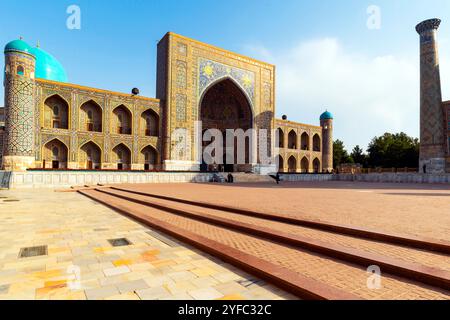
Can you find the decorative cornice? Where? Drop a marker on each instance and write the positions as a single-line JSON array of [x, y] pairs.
[[427, 25]]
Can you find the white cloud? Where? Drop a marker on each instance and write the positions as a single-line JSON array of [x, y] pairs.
[[367, 95]]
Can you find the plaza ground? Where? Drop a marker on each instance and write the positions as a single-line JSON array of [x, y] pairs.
[[76, 230]]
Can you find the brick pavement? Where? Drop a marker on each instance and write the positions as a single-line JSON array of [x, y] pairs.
[[334, 273], [76, 231], [409, 209]]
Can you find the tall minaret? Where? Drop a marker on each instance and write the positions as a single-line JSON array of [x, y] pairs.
[[18, 146], [326, 122], [432, 140]]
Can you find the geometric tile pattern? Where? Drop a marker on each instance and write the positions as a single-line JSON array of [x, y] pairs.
[[431, 114], [211, 71], [19, 122]]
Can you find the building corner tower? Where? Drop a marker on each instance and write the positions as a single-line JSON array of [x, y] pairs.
[[19, 84], [326, 122], [432, 140]]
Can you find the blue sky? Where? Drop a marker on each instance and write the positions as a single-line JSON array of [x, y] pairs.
[[326, 56]]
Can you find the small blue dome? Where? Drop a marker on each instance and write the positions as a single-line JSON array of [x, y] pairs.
[[326, 116], [47, 67], [18, 45]]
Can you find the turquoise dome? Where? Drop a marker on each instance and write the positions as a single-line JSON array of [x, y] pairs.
[[18, 45], [326, 116], [47, 67]]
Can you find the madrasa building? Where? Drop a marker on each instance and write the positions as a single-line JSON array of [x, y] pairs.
[[48, 123]]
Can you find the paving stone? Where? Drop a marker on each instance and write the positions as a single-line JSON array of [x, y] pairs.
[[101, 293], [205, 294], [116, 271], [153, 293], [132, 286]]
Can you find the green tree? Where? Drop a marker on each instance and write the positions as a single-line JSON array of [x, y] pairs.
[[359, 156], [340, 155], [394, 151]]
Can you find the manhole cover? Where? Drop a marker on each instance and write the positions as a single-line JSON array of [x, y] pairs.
[[121, 242], [33, 252]]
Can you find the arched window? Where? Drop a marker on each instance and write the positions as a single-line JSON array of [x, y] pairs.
[[20, 70]]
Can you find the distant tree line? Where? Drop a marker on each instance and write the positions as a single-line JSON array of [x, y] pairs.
[[388, 151]]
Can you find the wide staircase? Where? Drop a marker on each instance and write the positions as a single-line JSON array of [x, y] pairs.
[[241, 177]]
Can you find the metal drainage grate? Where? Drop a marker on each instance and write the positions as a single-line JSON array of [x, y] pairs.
[[121, 242], [163, 239], [33, 252]]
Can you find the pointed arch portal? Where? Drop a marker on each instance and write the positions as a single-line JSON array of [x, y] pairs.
[[225, 106]]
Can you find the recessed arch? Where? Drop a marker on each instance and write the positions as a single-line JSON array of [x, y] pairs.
[[292, 139], [316, 143], [224, 106], [280, 138], [121, 155], [149, 156], [235, 82], [304, 165], [150, 123], [292, 164], [305, 141], [280, 162], [90, 156], [55, 154], [91, 116], [20, 70], [56, 112], [122, 120], [316, 165]]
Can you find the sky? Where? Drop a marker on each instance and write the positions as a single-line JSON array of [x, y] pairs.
[[358, 59]]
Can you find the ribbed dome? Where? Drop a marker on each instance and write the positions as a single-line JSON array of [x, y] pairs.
[[326, 116], [47, 67], [18, 45]]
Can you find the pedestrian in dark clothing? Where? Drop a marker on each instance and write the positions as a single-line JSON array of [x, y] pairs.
[[277, 178]]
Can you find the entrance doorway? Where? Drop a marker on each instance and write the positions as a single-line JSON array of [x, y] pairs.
[[55, 164], [224, 107]]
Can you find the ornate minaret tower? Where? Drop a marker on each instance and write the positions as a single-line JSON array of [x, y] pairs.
[[18, 148], [326, 122], [432, 140]]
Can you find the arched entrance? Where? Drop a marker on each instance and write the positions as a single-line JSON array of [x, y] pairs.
[[150, 157], [122, 156], [304, 165], [225, 106], [280, 163], [55, 155], [90, 156], [292, 164], [316, 165]]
